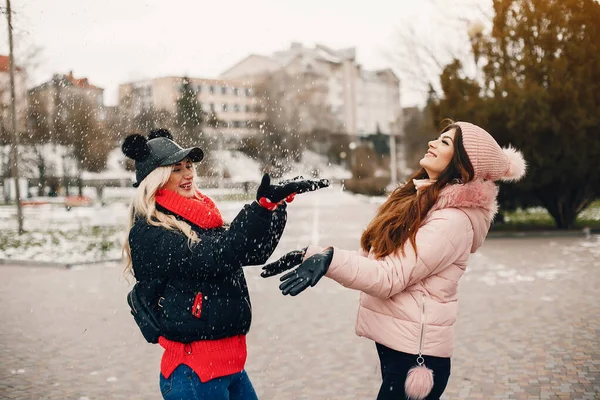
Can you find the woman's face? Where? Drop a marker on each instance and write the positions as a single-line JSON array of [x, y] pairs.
[[439, 155], [181, 178]]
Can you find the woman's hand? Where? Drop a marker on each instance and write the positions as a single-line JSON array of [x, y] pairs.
[[307, 274], [286, 262], [269, 195]]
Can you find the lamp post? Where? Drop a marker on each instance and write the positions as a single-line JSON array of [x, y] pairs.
[[393, 154], [220, 161], [15, 135], [352, 146], [475, 33], [65, 177]]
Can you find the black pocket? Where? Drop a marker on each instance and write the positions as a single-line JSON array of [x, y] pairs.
[[224, 314], [184, 315], [184, 305]]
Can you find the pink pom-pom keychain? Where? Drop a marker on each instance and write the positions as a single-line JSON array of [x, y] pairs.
[[419, 381]]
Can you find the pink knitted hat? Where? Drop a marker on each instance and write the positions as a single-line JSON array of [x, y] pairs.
[[489, 160]]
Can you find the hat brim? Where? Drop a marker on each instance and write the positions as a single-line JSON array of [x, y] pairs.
[[194, 153]]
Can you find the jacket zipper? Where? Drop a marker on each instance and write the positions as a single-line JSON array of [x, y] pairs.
[[422, 327]]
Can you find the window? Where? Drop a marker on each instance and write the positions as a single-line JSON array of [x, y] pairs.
[[247, 108], [236, 107], [211, 89], [236, 91], [199, 89], [224, 107], [248, 92]]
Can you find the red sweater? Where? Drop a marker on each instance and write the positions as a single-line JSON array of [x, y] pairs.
[[209, 359]]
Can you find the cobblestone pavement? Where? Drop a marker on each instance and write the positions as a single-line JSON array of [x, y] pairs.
[[528, 327]]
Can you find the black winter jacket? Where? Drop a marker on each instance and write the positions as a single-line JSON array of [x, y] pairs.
[[202, 285]]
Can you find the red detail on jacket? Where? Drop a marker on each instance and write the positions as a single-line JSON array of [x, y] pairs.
[[197, 306]]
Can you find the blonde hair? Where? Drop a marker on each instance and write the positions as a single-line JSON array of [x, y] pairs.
[[143, 206]]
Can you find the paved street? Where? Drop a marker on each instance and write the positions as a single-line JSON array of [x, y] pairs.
[[529, 324]]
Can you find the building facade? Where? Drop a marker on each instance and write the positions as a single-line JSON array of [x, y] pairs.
[[62, 89], [5, 97], [361, 102], [233, 102]]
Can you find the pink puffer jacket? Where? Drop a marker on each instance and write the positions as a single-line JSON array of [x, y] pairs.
[[409, 303]]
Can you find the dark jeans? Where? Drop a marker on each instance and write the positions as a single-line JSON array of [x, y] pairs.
[[184, 384], [395, 366]]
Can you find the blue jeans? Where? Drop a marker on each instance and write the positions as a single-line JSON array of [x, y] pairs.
[[184, 384]]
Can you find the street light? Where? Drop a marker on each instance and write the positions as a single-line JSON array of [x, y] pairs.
[[475, 33], [393, 166], [15, 134], [352, 146]]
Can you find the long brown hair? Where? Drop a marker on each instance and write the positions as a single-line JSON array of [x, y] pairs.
[[402, 214]]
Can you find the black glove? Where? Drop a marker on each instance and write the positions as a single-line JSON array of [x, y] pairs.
[[282, 190], [307, 274], [287, 261]]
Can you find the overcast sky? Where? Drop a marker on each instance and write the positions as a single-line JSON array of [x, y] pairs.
[[116, 41]]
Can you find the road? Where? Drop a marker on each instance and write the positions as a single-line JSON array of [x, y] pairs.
[[528, 325]]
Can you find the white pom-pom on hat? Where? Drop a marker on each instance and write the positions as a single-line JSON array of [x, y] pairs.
[[517, 166]]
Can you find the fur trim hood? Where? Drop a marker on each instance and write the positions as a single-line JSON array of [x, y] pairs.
[[477, 199]]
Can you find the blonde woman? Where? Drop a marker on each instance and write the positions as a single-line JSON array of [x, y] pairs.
[[191, 295]]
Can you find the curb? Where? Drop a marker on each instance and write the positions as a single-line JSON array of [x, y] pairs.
[[50, 264], [586, 233]]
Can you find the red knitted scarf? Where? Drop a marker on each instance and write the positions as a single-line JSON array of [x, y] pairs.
[[200, 211]]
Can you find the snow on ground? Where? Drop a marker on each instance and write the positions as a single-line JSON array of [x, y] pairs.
[[238, 166], [96, 233], [556, 260]]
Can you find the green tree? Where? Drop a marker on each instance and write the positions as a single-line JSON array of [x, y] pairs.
[[381, 142], [540, 91], [190, 116]]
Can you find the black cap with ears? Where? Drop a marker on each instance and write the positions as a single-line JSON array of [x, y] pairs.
[[157, 150]]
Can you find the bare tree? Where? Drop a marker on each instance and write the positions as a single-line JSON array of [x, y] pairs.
[[89, 142], [38, 135], [422, 50], [295, 116]]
